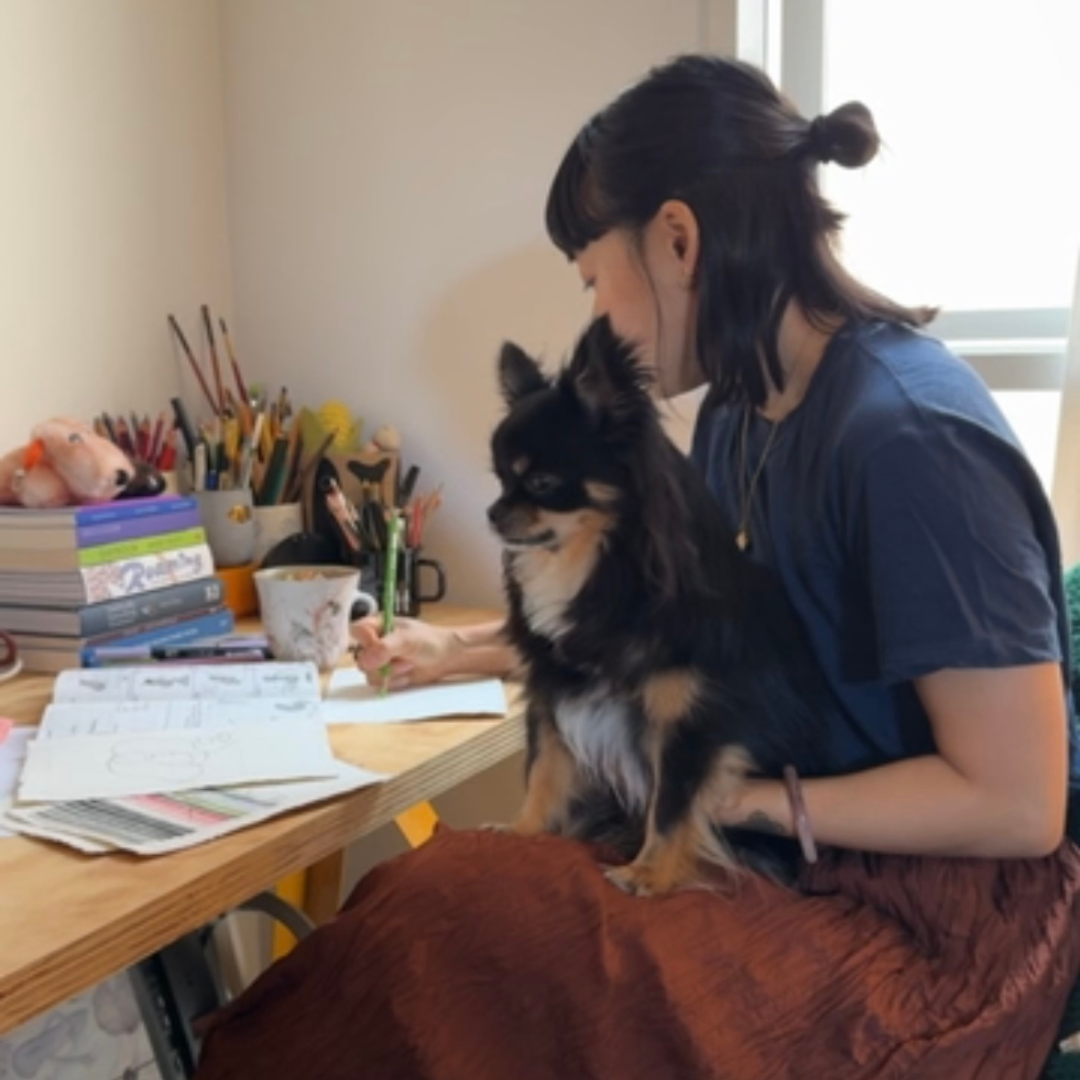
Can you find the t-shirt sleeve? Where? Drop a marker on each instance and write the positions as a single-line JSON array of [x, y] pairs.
[[947, 536]]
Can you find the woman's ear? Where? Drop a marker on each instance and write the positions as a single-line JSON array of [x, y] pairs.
[[679, 238]]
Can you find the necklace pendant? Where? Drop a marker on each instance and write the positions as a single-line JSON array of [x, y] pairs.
[[742, 539]]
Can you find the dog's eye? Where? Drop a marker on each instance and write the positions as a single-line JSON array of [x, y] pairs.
[[541, 483], [74, 437]]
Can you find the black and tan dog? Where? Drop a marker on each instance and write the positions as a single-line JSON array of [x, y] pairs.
[[662, 665]]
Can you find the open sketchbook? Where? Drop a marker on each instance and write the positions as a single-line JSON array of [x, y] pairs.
[[118, 732], [153, 759]]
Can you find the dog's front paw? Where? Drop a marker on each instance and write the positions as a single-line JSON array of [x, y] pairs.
[[635, 879], [512, 828], [648, 878]]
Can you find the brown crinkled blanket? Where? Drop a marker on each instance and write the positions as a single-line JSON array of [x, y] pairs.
[[484, 957]]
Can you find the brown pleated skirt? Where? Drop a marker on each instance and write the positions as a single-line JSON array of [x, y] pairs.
[[484, 957]]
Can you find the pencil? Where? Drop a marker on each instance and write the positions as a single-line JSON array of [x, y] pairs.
[[390, 572], [274, 477], [213, 357], [192, 361]]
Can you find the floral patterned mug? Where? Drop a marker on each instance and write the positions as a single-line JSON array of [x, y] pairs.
[[306, 611]]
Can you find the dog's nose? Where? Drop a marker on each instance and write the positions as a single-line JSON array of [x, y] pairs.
[[497, 513], [123, 478]]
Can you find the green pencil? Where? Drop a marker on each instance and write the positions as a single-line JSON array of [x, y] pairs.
[[390, 571]]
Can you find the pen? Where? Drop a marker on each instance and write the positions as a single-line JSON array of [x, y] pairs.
[[132, 654], [205, 652], [390, 570]]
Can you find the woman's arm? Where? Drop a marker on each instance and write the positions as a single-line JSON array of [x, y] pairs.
[[419, 652], [996, 788]]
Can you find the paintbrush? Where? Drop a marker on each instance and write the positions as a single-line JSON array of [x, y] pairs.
[[192, 361], [241, 388], [213, 357]]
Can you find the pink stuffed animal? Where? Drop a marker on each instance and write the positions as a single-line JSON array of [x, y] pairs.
[[64, 463]]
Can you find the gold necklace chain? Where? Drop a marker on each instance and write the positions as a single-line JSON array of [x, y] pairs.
[[747, 487]]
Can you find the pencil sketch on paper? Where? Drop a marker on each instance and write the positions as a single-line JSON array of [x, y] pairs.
[[164, 761]]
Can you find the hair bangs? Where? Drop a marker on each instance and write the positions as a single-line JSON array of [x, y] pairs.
[[573, 216]]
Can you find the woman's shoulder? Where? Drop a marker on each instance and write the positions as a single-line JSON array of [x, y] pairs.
[[882, 384]]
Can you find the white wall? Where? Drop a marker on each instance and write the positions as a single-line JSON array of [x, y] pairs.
[[112, 208], [388, 162]]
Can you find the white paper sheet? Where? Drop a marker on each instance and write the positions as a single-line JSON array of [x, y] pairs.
[[151, 762], [349, 700], [12, 755], [155, 825], [216, 682]]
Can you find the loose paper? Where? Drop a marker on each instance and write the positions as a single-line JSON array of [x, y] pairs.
[[12, 755], [149, 762], [350, 700], [158, 824]]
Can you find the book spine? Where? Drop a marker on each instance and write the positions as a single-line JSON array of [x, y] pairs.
[[110, 532], [114, 615], [146, 545], [122, 509], [213, 624], [129, 577]]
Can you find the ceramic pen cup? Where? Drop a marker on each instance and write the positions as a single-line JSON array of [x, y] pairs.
[[306, 610], [230, 526], [409, 593]]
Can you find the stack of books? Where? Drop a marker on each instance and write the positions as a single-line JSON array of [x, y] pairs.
[[130, 572]]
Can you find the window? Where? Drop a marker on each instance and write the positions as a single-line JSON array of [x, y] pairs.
[[973, 204]]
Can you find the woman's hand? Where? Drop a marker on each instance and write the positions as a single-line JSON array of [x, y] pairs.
[[417, 652]]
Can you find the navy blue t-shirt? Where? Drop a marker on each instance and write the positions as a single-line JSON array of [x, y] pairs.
[[908, 528]]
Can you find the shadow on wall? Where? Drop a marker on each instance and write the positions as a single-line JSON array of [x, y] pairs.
[[532, 297]]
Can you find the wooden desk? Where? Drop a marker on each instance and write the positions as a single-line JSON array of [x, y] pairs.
[[68, 920]]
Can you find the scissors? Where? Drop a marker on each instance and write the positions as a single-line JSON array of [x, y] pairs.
[[10, 661]]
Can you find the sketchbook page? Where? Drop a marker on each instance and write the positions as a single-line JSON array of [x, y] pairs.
[[155, 825], [131, 717], [350, 700], [150, 762], [216, 682], [12, 755]]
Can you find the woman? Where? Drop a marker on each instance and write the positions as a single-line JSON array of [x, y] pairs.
[[873, 472]]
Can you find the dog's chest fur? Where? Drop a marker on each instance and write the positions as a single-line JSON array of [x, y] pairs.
[[549, 582], [600, 732]]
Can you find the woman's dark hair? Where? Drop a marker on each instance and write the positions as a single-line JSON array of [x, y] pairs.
[[717, 135]]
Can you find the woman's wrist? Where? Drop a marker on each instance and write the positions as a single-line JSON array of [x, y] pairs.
[[480, 650]]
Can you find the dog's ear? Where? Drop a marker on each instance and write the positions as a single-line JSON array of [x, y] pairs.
[[519, 374], [606, 376]]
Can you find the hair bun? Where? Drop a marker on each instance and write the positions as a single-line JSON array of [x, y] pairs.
[[847, 136]]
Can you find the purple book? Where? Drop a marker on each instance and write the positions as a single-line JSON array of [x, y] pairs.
[[76, 527], [134, 528]]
